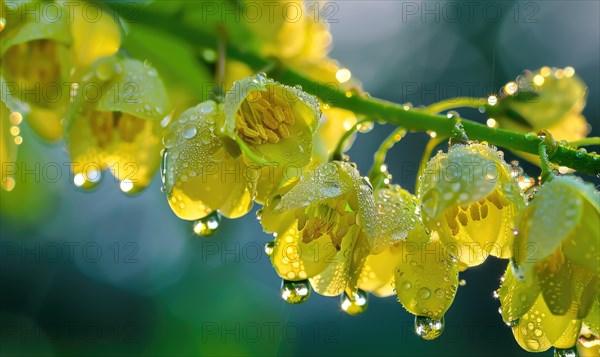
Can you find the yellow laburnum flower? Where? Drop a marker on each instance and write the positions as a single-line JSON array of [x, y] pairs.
[[203, 171], [323, 224], [114, 123], [397, 214], [469, 197], [549, 98], [554, 282], [42, 55], [274, 126]]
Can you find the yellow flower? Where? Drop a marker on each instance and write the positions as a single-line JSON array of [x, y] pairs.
[[469, 197], [272, 123], [41, 55], [323, 223], [114, 123], [204, 172], [554, 281], [397, 214], [549, 98]]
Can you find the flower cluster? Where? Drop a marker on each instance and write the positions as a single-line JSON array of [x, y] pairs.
[[336, 232]]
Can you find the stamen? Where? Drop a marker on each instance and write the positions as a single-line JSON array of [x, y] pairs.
[[264, 117]]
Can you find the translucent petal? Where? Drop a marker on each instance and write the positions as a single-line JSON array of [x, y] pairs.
[[538, 329], [546, 226], [93, 39], [201, 175], [517, 296], [592, 320], [470, 233], [378, 272], [295, 260], [397, 214], [343, 270], [377, 275], [328, 181], [556, 287], [467, 174], [426, 279]]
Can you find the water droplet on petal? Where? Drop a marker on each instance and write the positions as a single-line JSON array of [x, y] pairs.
[[295, 292], [355, 304], [208, 225], [512, 323], [189, 132], [428, 328], [565, 352], [366, 127], [270, 247], [88, 180]]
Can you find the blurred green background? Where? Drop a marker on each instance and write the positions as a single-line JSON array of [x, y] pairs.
[[101, 273]]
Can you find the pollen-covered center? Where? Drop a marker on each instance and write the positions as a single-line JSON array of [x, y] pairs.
[[107, 124], [34, 65], [333, 220], [264, 117], [457, 216]]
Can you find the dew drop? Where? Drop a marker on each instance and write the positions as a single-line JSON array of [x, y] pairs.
[[208, 226], [531, 136], [428, 328], [565, 352], [189, 132], [512, 323], [365, 127], [295, 292], [270, 247], [424, 293], [355, 304], [87, 180]]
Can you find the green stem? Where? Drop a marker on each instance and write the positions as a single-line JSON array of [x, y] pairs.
[[585, 142], [338, 153], [452, 103], [376, 175], [547, 172], [412, 120]]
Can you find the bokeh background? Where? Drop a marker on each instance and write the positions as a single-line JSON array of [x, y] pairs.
[[102, 273]]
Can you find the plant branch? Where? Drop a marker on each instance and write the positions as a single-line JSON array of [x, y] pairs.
[[411, 120]]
